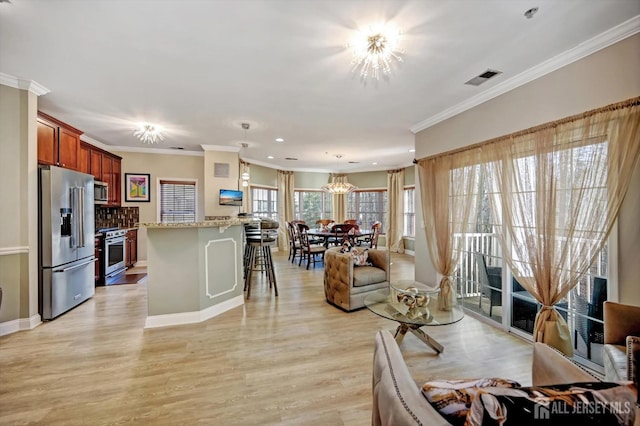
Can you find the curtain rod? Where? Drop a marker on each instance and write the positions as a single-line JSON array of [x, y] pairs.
[[612, 107]]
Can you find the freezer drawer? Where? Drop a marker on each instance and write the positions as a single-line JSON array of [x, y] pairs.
[[66, 286]]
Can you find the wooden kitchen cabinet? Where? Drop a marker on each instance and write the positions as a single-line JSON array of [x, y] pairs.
[[131, 242], [58, 143], [47, 143], [98, 275], [116, 182], [96, 164], [106, 167], [84, 158]]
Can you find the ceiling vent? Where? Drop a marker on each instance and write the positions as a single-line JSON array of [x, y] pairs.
[[477, 81], [354, 162], [291, 158]]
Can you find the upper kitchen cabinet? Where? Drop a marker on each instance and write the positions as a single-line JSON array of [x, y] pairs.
[[116, 182], [108, 170], [58, 143], [84, 158]]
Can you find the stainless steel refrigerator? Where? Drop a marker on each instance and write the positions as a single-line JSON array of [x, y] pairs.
[[66, 236]]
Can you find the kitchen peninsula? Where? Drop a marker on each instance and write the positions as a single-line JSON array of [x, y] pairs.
[[194, 270]]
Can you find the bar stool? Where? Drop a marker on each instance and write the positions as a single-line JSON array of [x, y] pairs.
[[258, 254]]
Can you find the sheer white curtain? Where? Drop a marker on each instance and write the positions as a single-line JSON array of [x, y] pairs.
[[285, 206], [395, 216], [448, 189], [559, 189]]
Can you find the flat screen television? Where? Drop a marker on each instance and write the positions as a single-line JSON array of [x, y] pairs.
[[230, 197]]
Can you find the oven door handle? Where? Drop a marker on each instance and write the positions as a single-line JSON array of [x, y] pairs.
[[70, 268]]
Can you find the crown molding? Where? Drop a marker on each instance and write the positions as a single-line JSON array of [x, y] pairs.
[[221, 148], [165, 151], [94, 142], [19, 83], [310, 170], [586, 48]]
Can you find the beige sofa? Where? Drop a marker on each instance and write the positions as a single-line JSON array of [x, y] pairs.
[[346, 285], [398, 401], [621, 342]]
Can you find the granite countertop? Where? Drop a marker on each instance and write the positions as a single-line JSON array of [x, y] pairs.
[[232, 221]]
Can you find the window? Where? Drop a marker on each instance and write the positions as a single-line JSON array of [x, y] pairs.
[[265, 202], [409, 212], [177, 200], [481, 276], [312, 205], [367, 207]]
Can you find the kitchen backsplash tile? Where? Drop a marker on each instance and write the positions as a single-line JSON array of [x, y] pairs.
[[122, 217]]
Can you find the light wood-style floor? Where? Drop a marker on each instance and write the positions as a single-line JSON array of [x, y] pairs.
[[291, 360]]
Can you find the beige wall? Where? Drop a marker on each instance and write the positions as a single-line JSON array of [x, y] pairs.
[[212, 185], [410, 176], [10, 137], [605, 77], [310, 180], [19, 209], [162, 166], [264, 176], [369, 180]]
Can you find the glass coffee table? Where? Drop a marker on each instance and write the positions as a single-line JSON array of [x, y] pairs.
[[413, 305]]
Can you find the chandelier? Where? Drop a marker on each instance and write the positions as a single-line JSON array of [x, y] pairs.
[[149, 133], [339, 188], [375, 49]]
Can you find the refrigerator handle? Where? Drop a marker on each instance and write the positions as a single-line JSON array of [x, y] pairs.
[[74, 215], [71, 268], [80, 218]]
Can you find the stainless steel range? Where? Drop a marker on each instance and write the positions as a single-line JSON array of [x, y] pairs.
[[114, 251]]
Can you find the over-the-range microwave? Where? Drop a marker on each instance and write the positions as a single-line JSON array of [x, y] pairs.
[[100, 192]]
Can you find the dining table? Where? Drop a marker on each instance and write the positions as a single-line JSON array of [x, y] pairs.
[[328, 235]]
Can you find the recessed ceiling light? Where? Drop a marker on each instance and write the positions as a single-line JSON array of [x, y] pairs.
[[412, 150], [270, 157], [374, 163], [279, 140]]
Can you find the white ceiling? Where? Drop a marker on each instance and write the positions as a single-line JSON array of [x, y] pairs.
[[200, 68]]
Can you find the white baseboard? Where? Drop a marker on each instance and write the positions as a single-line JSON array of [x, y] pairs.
[[20, 324], [193, 317], [410, 252]]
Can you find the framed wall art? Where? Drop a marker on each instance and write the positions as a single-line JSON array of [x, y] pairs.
[[137, 187]]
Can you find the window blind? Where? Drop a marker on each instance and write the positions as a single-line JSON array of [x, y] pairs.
[[177, 201]]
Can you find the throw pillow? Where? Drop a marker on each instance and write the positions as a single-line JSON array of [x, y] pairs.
[[360, 257], [453, 398], [591, 403], [346, 247]]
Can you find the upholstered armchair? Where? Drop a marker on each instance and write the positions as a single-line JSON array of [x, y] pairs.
[[346, 285], [621, 342]]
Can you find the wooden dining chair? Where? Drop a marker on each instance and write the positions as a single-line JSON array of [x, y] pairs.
[[309, 251], [324, 223], [341, 233], [294, 241]]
